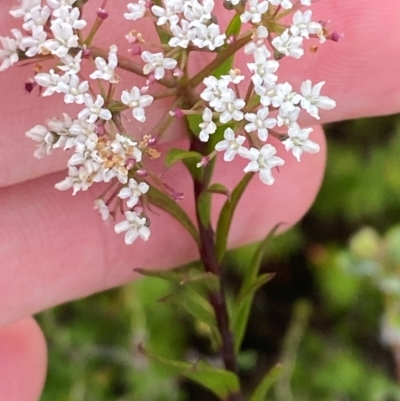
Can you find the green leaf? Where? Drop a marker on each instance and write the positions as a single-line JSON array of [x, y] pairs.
[[175, 155], [251, 282], [220, 382], [253, 286], [188, 276], [233, 29], [219, 189], [176, 275], [266, 383], [194, 121], [226, 216], [164, 202]]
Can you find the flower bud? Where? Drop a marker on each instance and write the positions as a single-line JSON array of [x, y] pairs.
[[102, 14]]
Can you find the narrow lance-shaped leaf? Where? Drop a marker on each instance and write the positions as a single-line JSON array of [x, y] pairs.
[[164, 202], [251, 283], [221, 382], [266, 383], [226, 216]]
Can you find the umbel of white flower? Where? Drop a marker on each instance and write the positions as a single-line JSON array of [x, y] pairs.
[[251, 115]]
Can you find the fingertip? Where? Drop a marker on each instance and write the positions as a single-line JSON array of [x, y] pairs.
[[23, 361]]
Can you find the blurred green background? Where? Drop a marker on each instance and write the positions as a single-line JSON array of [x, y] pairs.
[[331, 314]]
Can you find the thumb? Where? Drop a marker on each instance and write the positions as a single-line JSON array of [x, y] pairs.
[[23, 361]]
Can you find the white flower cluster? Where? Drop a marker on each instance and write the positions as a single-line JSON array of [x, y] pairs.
[[104, 152], [277, 104], [187, 22], [99, 156]]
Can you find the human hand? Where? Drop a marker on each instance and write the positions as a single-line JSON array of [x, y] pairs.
[[55, 248]]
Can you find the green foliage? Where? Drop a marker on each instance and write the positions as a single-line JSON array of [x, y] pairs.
[[336, 355], [226, 216], [221, 382], [164, 202], [252, 281]]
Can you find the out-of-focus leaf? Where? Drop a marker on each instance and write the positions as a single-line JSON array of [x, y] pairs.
[[188, 276], [266, 383], [226, 216], [251, 283], [164, 202], [253, 286], [221, 382]]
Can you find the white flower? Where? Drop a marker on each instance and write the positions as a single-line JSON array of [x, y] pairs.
[[106, 70], [64, 38], [303, 26], [254, 11], [208, 36], [286, 4], [312, 100], [50, 81], [234, 76], [137, 10], [263, 161], [74, 90], [79, 179], [71, 65], [136, 101], [298, 142], [230, 107], [231, 145], [94, 110], [287, 118], [289, 45], [135, 227], [208, 126], [34, 43], [39, 17], [45, 140], [199, 14], [258, 41], [9, 52], [182, 35], [262, 68], [260, 123], [56, 4], [157, 63], [133, 191], [70, 16], [103, 209], [165, 15], [24, 10], [214, 90]]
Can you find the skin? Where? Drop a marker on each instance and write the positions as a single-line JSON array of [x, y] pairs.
[[55, 248]]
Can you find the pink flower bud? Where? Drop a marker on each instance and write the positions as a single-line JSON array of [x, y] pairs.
[[100, 130], [177, 73], [135, 50], [130, 163], [30, 85], [102, 14], [141, 173], [335, 36], [150, 79]]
